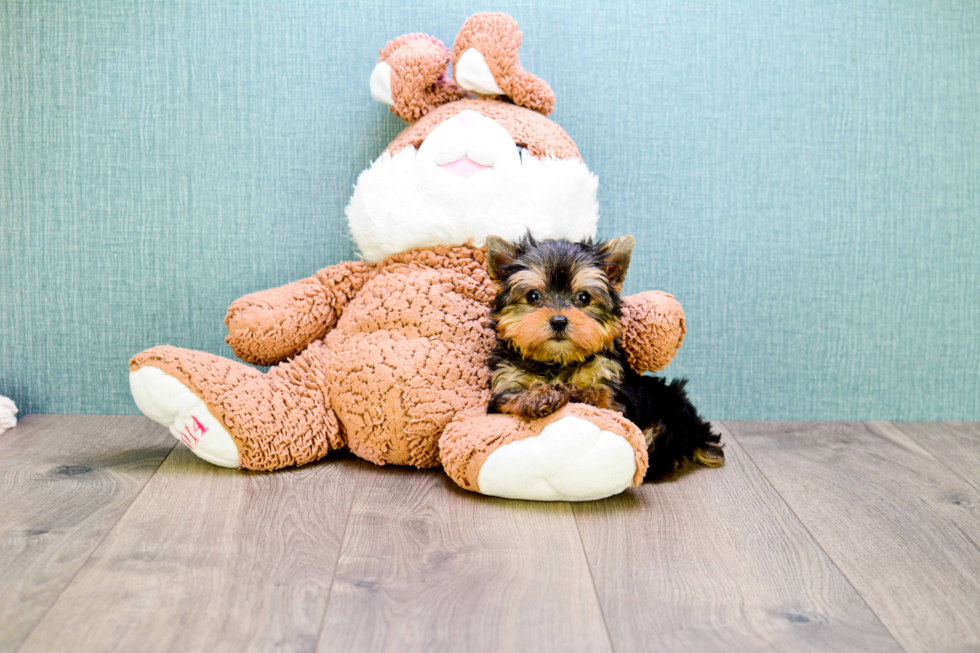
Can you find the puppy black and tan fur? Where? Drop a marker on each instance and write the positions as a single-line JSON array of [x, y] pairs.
[[557, 316]]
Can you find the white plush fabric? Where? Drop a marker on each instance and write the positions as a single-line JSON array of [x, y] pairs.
[[7, 412], [167, 401], [380, 84], [407, 200], [570, 460], [473, 74]]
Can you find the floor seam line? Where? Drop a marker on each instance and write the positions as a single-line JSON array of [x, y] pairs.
[[595, 589], [813, 537], [340, 552], [935, 458], [924, 448], [95, 548]]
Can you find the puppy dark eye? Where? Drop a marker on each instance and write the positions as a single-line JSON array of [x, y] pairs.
[[533, 297], [583, 298]]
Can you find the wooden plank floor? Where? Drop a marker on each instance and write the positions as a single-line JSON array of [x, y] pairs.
[[64, 483], [901, 526], [713, 560], [813, 537]]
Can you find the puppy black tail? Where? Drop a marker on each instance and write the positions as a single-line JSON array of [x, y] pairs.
[[678, 433]]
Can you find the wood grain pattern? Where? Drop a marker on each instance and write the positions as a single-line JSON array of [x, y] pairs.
[[427, 566], [955, 444], [807, 529], [902, 527], [64, 482], [210, 559], [713, 560]]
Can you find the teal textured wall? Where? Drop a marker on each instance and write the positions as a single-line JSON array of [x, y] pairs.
[[804, 176]]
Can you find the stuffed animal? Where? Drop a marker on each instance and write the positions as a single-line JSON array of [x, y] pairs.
[[387, 356], [7, 414]]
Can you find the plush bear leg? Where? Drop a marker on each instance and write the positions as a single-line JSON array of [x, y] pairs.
[[231, 414], [579, 453]]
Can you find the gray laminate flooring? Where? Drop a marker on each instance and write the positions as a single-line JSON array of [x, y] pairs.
[[815, 536]]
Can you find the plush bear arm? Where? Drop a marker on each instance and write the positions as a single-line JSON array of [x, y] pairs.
[[270, 326], [652, 330]]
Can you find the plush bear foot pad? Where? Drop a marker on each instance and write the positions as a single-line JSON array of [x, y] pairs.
[[570, 460], [167, 401]]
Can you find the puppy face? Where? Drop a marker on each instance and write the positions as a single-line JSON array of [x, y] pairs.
[[558, 301]]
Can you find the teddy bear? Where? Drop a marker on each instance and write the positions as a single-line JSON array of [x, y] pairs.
[[387, 356]]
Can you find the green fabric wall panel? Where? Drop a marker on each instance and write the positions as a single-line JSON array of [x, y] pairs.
[[803, 176]]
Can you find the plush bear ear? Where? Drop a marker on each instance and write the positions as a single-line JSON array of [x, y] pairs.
[[485, 61], [412, 76], [616, 254]]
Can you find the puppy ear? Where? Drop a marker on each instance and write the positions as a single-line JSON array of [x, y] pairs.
[[616, 256], [500, 254]]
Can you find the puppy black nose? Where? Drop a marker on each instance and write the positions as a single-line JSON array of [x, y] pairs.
[[558, 322]]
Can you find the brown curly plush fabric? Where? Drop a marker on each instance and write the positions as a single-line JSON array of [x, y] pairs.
[[410, 353], [498, 39], [276, 419], [528, 128], [267, 327], [652, 329], [468, 441], [404, 359], [420, 75]]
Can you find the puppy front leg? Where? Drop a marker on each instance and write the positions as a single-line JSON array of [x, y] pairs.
[[598, 396], [539, 400]]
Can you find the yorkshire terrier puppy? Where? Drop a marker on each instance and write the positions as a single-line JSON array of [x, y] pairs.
[[557, 314]]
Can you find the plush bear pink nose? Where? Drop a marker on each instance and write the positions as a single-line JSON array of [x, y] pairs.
[[464, 167], [468, 117]]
